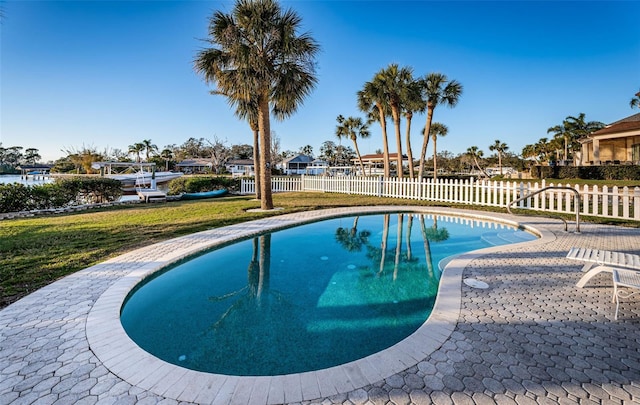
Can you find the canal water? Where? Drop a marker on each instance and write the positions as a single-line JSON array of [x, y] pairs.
[[31, 180]]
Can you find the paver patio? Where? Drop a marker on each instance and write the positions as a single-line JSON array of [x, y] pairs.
[[531, 337]]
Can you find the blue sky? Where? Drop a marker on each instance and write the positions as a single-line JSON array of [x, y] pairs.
[[107, 74]]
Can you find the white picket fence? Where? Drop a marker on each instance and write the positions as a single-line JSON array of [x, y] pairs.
[[608, 202], [278, 184]]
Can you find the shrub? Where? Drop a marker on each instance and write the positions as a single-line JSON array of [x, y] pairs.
[[63, 193], [14, 197], [197, 184], [91, 190]]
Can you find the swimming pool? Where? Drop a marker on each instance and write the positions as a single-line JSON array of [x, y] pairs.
[[303, 298]]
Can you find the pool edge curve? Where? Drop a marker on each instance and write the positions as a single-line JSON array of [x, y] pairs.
[[113, 347]]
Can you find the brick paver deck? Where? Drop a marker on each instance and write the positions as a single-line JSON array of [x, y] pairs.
[[531, 337]]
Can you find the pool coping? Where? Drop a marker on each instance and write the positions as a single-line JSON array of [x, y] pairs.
[[118, 353]]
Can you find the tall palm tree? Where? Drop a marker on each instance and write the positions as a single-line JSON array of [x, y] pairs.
[[136, 149], [562, 132], [257, 55], [531, 151], [396, 84], [412, 102], [580, 128], [476, 154], [500, 148], [149, 148], [167, 155], [544, 147], [572, 129], [353, 128], [437, 91], [437, 130], [371, 102], [635, 101]]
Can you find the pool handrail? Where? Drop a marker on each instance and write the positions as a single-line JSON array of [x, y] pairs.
[[576, 202]]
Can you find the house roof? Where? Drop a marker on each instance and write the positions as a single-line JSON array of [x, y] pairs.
[[195, 162], [380, 156], [245, 162], [34, 166], [630, 123], [299, 159]]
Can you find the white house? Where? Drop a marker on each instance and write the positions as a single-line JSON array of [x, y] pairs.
[[198, 165], [240, 167], [317, 167], [374, 163], [296, 164]]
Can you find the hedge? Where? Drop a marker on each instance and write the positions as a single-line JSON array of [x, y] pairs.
[[15, 197], [606, 172], [197, 184]]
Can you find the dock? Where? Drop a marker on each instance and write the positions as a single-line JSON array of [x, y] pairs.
[[152, 196]]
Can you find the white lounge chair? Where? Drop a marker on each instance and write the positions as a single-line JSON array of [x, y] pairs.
[[624, 278], [605, 260]]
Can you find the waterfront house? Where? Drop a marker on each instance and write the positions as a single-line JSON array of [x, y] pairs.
[[193, 166], [296, 164], [617, 143], [240, 167]]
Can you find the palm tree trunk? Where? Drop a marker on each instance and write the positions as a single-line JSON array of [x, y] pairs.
[[475, 159], [409, 153], [427, 247], [500, 162], [409, 225], [266, 199], [253, 270], [396, 124], [265, 264], [396, 265], [383, 245], [355, 145], [385, 143], [425, 142], [256, 162], [435, 158]]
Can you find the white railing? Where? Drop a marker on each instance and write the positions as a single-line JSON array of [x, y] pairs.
[[614, 202]]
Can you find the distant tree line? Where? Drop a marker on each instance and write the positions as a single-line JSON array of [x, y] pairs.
[[79, 160], [14, 156]]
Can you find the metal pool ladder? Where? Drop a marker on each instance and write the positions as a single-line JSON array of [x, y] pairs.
[[576, 203]]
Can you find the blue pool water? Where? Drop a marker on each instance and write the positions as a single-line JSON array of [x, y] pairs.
[[304, 298]]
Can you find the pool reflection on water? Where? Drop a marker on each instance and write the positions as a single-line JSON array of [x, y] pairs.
[[303, 298]]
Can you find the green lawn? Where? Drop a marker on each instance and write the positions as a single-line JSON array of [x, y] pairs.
[[39, 250]]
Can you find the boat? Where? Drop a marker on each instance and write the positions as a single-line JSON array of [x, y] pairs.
[[144, 175], [133, 181], [204, 194]]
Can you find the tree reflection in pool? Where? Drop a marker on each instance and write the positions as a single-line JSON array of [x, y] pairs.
[[303, 298]]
